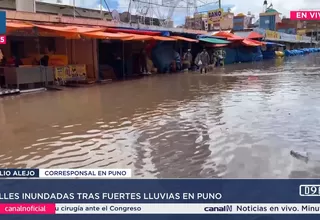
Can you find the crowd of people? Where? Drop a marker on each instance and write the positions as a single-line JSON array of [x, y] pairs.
[[202, 61]]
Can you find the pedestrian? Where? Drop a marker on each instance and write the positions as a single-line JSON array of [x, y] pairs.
[[221, 57], [143, 62], [203, 60], [214, 58], [187, 60], [177, 60]]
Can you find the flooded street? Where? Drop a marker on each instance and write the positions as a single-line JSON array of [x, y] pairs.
[[241, 121]]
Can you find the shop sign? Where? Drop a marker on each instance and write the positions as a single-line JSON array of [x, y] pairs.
[[288, 37], [306, 39], [76, 72], [301, 32], [70, 73], [272, 34], [299, 38], [214, 16], [59, 74]]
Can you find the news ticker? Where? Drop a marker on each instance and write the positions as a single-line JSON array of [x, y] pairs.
[[158, 208], [65, 173]]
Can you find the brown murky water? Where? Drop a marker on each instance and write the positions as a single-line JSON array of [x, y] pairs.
[[241, 121]]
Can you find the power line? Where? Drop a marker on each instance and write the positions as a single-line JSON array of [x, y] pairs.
[[107, 5]]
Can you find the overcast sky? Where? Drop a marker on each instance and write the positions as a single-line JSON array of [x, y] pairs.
[[238, 6]]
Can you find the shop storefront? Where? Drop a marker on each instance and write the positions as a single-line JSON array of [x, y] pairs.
[[69, 58]]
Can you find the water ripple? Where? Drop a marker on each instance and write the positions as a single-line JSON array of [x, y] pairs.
[[241, 121]]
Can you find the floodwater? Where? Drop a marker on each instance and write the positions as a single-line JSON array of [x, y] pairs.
[[241, 121]]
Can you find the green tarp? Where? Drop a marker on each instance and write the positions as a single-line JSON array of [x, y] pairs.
[[214, 40]]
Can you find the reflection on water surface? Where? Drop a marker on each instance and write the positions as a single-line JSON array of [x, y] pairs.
[[241, 121]]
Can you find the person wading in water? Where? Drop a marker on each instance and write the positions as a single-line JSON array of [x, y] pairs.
[[143, 62], [203, 60], [187, 60]]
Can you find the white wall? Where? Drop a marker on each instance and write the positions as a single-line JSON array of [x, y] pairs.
[[26, 5]]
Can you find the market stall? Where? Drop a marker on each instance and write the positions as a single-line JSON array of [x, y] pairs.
[[15, 76], [57, 69]]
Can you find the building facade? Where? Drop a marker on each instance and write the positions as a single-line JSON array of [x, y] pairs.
[[200, 22], [239, 22], [291, 26], [269, 19], [226, 22]]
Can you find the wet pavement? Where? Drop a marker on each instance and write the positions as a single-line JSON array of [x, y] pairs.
[[240, 121]]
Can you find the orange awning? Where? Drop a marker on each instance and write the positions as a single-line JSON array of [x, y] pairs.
[[56, 28], [184, 39], [138, 37], [74, 29], [107, 36], [258, 42], [254, 35], [66, 31], [228, 35], [61, 31], [13, 26], [80, 30], [133, 31], [17, 25], [251, 43], [160, 38]]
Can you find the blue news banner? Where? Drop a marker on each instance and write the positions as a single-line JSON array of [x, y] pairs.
[[209, 191]]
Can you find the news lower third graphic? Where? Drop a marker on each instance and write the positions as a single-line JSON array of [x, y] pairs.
[[160, 209], [3, 39], [113, 192], [65, 173]]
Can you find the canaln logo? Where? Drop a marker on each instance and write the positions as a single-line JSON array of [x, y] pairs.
[[226, 208]]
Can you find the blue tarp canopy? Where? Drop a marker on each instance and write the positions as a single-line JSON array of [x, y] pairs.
[[273, 43]]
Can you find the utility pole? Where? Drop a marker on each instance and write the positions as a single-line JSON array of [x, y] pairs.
[[74, 8], [221, 15], [101, 15]]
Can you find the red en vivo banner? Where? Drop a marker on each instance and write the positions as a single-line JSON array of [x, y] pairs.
[[305, 15]]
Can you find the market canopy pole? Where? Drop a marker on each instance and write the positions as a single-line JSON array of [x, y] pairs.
[[74, 8], [221, 15], [101, 9]]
